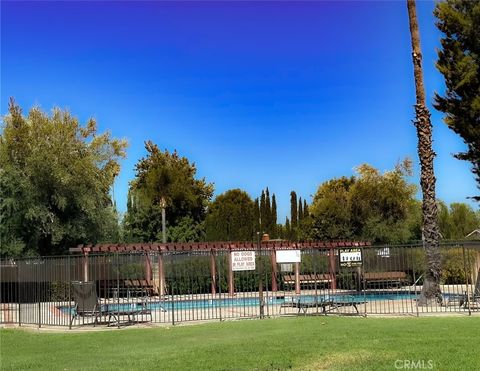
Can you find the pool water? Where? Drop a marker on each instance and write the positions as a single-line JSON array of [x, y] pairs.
[[254, 301]]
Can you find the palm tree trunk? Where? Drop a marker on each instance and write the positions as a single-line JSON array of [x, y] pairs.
[[431, 285]]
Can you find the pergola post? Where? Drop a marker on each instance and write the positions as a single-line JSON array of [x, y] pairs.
[[231, 287], [297, 278], [331, 259], [161, 275], [85, 266], [213, 272], [148, 268], [273, 259]]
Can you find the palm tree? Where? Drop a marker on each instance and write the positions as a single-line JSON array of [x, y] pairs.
[[431, 285]]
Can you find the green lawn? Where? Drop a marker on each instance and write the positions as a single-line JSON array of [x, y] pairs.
[[303, 343]]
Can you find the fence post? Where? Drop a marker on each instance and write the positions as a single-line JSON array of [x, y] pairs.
[[273, 258], [213, 272], [231, 288], [161, 274], [219, 272], [69, 279], [173, 288], [38, 298], [18, 296], [297, 278], [260, 276], [331, 259]]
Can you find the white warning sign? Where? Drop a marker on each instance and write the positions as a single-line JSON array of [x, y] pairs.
[[243, 260]]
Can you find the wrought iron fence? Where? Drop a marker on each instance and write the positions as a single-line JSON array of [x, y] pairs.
[[179, 286]]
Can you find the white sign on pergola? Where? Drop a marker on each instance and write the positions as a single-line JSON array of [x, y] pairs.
[[243, 260], [288, 256]]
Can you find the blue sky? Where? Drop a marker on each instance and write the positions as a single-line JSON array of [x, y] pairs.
[[257, 94]]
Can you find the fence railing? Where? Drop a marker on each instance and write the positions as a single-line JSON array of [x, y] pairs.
[[172, 287]]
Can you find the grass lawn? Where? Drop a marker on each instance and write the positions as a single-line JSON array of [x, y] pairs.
[[302, 343]]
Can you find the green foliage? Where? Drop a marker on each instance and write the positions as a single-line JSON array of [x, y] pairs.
[[372, 206], [463, 220], [59, 291], [300, 210], [457, 221], [454, 263], [130, 271], [331, 210], [169, 177], [231, 217], [293, 210], [273, 219], [55, 182], [186, 230], [459, 62]]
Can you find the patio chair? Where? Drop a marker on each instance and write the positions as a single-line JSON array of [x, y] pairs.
[[328, 303], [86, 302], [88, 305]]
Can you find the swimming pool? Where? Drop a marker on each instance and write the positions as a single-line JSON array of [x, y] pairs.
[[238, 302]]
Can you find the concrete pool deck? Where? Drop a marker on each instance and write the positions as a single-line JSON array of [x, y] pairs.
[[48, 314]]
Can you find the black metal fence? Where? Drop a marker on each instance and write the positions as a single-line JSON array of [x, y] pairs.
[[172, 287]]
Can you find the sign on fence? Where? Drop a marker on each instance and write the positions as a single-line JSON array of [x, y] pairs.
[[350, 257], [243, 260], [288, 256]]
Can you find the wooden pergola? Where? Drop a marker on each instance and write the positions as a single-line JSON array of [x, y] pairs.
[[212, 248]]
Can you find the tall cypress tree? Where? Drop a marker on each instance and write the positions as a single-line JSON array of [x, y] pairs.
[[274, 217], [256, 216], [268, 213], [288, 230], [262, 213], [306, 212], [293, 210], [300, 210]]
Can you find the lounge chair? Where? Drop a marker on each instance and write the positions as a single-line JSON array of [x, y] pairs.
[[88, 305], [327, 303]]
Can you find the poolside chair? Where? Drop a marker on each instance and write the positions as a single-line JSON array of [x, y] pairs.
[[88, 305], [328, 303], [86, 301]]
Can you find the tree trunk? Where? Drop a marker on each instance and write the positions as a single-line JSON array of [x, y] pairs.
[[431, 284]]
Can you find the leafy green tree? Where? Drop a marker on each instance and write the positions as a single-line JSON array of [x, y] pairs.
[[463, 220], [186, 230], [164, 175], [372, 206], [459, 62], [332, 210], [381, 203], [55, 182], [230, 217], [444, 220]]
